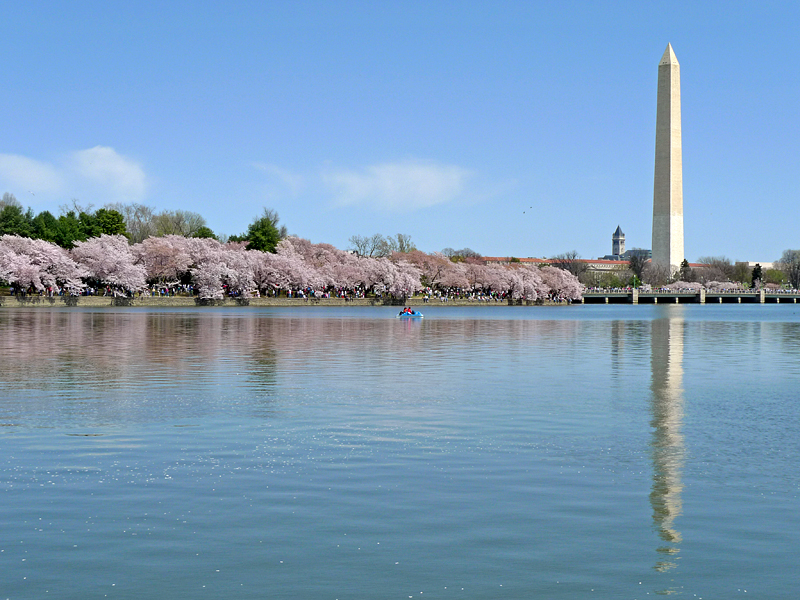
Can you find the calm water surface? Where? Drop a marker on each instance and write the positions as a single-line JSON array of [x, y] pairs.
[[492, 452]]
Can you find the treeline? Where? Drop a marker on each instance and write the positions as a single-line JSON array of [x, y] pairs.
[[73, 225], [128, 247], [212, 269], [785, 270], [709, 271], [136, 222]]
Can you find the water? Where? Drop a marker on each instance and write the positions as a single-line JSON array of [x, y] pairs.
[[491, 452]]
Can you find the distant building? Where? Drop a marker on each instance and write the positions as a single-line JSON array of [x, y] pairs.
[[617, 242], [598, 266], [510, 260], [618, 252], [648, 254]]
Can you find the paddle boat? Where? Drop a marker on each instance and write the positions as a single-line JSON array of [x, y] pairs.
[[408, 313]]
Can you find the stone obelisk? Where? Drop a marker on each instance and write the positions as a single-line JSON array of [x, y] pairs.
[[668, 185]]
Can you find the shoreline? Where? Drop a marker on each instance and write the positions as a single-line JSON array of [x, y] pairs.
[[13, 303]]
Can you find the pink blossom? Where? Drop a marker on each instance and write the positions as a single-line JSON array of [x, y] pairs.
[[164, 258], [561, 283], [684, 285], [723, 285], [524, 283], [38, 263], [110, 259], [216, 265], [406, 281]]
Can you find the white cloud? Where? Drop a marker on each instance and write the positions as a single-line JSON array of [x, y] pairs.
[[399, 186], [97, 174], [112, 173], [28, 175]]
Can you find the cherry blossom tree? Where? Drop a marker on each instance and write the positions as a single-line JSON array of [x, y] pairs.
[[302, 273], [334, 268], [39, 264], [455, 276], [524, 283], [406, 281], [723, 285], [561, 284], [322, 259], [432, 267], [270, 271], [298, 264], [110, 259], [684, 285], [477, 275], [495, 279], [164, 258], [218, 266], [379, 273], [208, 277]]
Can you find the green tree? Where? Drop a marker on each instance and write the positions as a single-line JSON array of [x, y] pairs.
[[45, 227], [15, 221], [263, 233], [742, 273], [611, 280], [70, 229], [774, 276], [686, 273], [204, 232], [460, 255], [756, 275], [89, 225], [110, 222]]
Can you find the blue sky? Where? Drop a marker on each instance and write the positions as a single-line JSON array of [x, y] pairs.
[[513, 128]]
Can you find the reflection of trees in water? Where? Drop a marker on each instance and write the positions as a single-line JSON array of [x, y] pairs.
[[330, 341], [667, 442], [113, 364], [96, 346], [141, 358], [60, 347]]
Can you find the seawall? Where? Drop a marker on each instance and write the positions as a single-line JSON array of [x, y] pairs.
[[12, 302]]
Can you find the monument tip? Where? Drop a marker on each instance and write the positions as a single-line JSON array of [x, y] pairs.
[[669, 57]]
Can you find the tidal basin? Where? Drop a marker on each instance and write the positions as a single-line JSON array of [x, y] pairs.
[[488, 452]]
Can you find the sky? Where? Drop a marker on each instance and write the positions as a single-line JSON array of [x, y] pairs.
[[513, 128]]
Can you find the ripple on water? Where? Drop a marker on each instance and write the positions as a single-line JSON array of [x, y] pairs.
[[480, 453]]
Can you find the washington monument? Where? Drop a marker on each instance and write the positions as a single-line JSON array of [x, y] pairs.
[[668, 185]]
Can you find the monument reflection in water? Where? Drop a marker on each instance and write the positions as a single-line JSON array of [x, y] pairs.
[[667, 444]]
